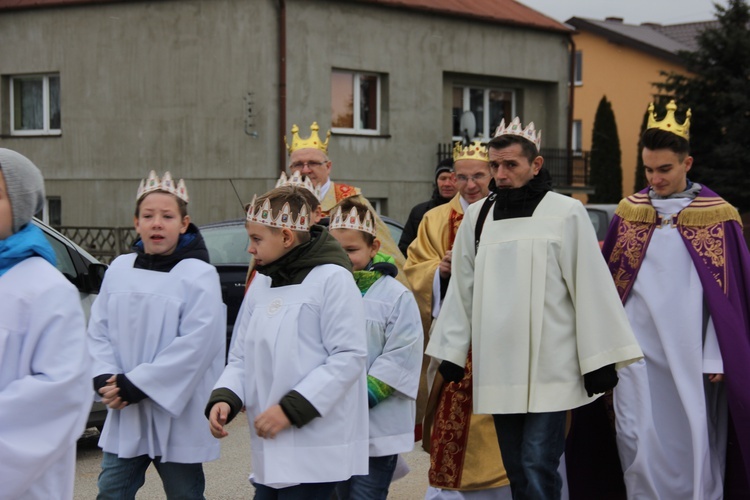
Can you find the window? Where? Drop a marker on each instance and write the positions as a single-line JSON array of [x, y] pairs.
[[577, 137], [35, 105], [488, 105], [355, 102], [579, 68]]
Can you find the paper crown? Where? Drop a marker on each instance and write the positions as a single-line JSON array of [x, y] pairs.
[[474, 151], [515, 128], [352, 221], [284, 218], [311, 142], [166, 184], [669, 123], [296, 180]]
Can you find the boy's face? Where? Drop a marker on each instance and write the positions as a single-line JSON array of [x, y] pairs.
[[268, 245], [6, 214], [666, 171], [354, 244], [159, 223]]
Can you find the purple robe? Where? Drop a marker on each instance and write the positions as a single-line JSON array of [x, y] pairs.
[[713, 236]]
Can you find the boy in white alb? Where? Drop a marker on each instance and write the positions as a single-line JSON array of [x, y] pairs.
[[394, 348], [157, 333], [44, 381], [298, 355]]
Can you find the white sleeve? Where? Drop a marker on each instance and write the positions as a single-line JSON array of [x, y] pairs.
[[99, 345], [43, 412], [436, 300], [233, 376], [712, 361], [451, 338], [344, 335], [401, 360]]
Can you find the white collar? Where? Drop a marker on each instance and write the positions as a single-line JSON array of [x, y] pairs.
[[464, 204], [323, 190]]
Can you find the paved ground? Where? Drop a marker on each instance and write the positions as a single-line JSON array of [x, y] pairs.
[[226, 478]]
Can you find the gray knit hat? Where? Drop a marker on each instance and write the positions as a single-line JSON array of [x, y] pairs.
[[25, 186]]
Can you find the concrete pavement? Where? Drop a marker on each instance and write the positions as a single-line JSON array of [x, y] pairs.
[[226, 478]]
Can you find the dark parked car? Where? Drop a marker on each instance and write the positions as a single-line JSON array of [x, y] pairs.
[[86, 273], [227, 244], [601, 216]]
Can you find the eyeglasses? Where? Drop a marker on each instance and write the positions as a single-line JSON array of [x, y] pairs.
[[310, 164], [476, 178]]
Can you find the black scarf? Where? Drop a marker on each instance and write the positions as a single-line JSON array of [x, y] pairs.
[[521, 202], [189, 246], [293, 267]]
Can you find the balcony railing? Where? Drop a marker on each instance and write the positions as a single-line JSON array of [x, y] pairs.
[[568, 175]]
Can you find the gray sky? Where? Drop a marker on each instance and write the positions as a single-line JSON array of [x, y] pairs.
[[633, 11]]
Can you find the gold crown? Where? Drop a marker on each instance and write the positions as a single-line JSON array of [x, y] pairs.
[[284, 218], [515, 128], [296, 180], [166, 184], [311, 142], [474, 151], [669, 123], [352, 221]]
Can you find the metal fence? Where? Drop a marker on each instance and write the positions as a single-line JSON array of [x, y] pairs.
[[104, 243], [565, 172]]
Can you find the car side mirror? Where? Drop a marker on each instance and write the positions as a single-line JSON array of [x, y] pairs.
[[95, 277]]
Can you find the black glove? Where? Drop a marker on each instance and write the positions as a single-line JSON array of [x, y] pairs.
[[100, 381], [128, 391], [600, 380], [451, 372]]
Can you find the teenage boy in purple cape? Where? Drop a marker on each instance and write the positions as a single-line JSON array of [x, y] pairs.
[[682, 269]]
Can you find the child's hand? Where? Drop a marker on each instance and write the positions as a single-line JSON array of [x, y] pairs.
[[217, 419], [110, 394], [271, 422], [716, 377]]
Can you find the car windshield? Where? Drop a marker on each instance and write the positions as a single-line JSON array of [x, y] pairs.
[[227, 244]]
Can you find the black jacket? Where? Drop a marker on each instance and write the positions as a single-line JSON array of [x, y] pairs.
[[415, 217]]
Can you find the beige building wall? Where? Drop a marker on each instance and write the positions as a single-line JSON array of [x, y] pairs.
[[626, 77]]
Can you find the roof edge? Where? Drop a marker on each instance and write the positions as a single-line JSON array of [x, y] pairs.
[[581, 24]]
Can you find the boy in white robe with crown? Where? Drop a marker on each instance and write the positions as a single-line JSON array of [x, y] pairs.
[[157, 335], [394, 350], [298, 354]]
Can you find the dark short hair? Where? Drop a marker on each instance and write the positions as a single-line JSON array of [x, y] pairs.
[[181, 204], [347, 204], [529, 148], [655, 139]]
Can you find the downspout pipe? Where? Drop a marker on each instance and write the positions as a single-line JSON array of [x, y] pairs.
[[282, 85], [571, 99]]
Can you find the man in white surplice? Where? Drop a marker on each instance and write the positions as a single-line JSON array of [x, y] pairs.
[[530, 294]]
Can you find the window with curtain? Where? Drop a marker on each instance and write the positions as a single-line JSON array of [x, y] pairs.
[[355, 102], [35, 105]]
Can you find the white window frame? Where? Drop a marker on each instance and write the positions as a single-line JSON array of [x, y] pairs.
[[578, 68], [486, 104], [356, 104], [45, 107], [576, 136]]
